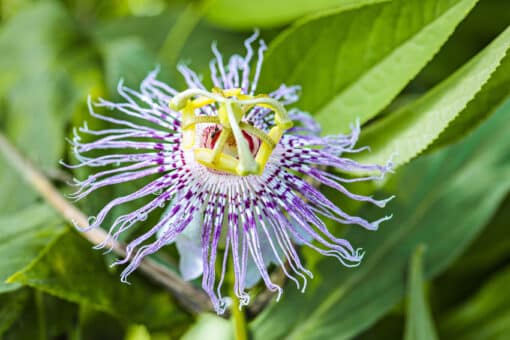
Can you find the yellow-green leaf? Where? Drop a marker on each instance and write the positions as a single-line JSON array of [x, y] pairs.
[[409, 131], [351, 64]]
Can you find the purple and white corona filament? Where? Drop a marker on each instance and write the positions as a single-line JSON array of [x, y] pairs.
[[232, 168]]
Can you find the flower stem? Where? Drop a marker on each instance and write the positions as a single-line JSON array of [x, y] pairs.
[[239, 320], [237, 314]]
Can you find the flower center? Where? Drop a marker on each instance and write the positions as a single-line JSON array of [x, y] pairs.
[[226, 142], [211, 134]]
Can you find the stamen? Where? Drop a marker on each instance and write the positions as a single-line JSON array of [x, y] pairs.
[[233, 106]]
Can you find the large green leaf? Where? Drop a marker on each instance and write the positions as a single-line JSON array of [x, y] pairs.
[[443, 201], [419, 324], [71, 270], [486, 255], [352, 64], [492, 95], [150, 29], [268, 13], [485, 316], [43, 317], [131, 43], [36, 125], [407, 132], [94, 324], [128, 59], [36, 85], [31, 41], [491, 249], [24, 235], [15, 193]]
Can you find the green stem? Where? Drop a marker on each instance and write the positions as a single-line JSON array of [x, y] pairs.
[[237, 315], [239, 319]]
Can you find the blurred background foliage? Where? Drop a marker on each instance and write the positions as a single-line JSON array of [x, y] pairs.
[[429, 79]]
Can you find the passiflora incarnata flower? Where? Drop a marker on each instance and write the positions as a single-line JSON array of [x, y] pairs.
[[233, 168]]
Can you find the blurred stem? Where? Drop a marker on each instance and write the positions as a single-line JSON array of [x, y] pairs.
[[237, 314], [192, 299], [239, 319], [181, 30], [41, 320]]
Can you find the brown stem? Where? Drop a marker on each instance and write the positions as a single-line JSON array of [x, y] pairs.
[[194, 300]]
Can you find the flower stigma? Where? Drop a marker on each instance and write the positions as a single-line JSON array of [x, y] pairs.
[[229, 143]]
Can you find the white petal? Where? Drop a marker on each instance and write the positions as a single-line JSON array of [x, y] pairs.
[[190, 262], [301, 232], [189, 245], [252, 272]]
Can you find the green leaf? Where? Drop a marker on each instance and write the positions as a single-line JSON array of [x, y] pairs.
[[38, 91], [267, 13], [407, 132], [210, 327], [485, 316], [132, 43], [485, 103], [152, 30], [486, 255], [15, 193], [128, 59], [137, 332], [443, 201], [71, 270], [419, 324], [94, 324], [11, 306], [24, 235], [31, 41], [43, 316], [36, 125], [491, 248], [352, 64]]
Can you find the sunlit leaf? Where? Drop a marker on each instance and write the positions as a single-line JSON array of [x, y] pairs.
[[24, 235], [267, 13], [492, 95], [352, 64], [404, 134]]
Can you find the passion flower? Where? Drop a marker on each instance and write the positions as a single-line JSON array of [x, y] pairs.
[[232, 169]]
